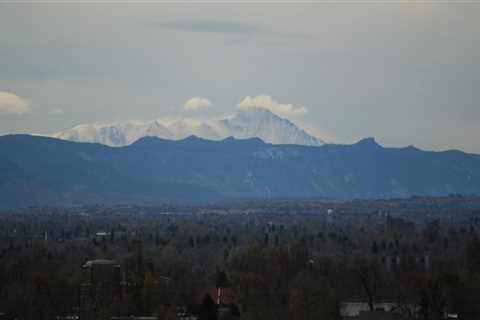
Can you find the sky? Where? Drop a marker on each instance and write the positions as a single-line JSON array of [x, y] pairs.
[[404, 72]]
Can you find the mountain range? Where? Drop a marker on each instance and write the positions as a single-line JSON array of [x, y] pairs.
[[37, 170], [246, 123]]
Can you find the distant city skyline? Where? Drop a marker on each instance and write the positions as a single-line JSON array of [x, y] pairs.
[[404, 73]]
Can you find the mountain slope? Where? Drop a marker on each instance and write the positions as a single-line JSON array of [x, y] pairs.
[[261, 123], [38, 171], [246, 123]]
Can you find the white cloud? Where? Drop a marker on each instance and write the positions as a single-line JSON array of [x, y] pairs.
[[196, 103], [56, 111], [10, 103], [266, 101]]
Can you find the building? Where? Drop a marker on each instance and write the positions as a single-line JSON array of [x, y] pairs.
[[101, 286], [387, 310], [226, 301], [134, 318]]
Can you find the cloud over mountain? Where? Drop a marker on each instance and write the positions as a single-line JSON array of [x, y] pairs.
[[196, 103], [10, 103], [267, 102]]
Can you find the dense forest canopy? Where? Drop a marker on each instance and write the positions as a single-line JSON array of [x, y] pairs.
[[276, 260]]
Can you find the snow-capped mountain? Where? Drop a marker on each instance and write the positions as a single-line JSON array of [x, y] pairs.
[[263, 124], [246, 123]]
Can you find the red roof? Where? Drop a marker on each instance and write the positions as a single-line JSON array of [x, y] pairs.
[[227, 295]]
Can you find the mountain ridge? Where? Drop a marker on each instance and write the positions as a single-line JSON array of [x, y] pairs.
[[246, 123], [38, 170]]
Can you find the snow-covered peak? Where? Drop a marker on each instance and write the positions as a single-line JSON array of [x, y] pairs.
[[246, 123], [262, 123]]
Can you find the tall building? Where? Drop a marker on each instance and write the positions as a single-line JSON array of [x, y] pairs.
[[101, 285]]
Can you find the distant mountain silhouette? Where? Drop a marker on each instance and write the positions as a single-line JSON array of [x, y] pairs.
[[46, 171]]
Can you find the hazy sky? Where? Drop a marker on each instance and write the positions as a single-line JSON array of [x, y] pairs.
[[405, 72]]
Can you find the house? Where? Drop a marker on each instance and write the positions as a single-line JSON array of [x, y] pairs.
[[226, 301], [223, 296], [381, 310], [134, 318]]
